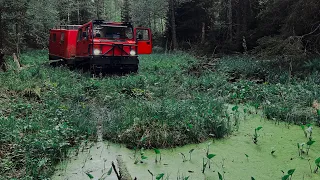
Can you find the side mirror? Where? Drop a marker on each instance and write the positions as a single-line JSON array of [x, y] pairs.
[[84, 34]]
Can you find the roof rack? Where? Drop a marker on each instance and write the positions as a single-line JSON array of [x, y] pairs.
[[68, 27]]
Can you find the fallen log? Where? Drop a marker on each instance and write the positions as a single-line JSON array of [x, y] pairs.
[[124, 173]]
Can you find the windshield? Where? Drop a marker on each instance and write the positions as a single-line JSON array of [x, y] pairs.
[[113, 32]]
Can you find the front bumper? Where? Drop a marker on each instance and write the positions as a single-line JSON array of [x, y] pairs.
[[113, 61]]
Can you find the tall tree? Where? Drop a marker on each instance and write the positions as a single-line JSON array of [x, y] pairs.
[[125, 11], [230, 21], [173, 24]]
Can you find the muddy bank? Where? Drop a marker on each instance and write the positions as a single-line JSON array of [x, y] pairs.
[[237, 157]]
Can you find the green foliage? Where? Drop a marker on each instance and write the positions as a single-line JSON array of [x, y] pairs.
[[159, 176], [171, 103], [109, 172], [317, 161], [190, 153], [41, 127], [290, 174], [255, 135], [291, 171], [157, 151], [220, 176], [285, 177], [89, 175], [210, 156]]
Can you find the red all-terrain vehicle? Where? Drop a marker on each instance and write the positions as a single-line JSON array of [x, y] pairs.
[[100, 45]]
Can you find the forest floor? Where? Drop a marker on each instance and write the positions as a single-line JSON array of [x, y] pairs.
[[174, 100]]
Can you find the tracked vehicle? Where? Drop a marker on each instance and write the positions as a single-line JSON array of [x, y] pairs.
[[100, 45]]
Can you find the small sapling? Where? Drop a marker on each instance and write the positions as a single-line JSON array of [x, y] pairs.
[[309, 143], [190, 152], [289, 175], [317, 162], [255, 135], [157, 152]]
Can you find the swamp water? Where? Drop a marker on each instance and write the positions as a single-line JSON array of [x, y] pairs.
[[230, 160]]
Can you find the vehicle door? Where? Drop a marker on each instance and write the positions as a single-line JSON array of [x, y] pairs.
[[83, 42], [144, 40]]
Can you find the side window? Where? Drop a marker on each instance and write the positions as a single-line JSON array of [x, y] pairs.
[[87, 33], [143, 35], [62, 38], [54, 37], [80, 35]]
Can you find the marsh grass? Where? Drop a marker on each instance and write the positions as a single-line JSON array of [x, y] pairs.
[[164, 103], [173, 100], [41, 117], [265, 84]]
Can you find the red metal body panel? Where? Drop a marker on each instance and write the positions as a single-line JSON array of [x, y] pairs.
[[62, 43], [108, 48], [83, 49], [145, 42]]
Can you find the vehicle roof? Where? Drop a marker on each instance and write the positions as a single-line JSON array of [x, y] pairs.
[[107, 23]]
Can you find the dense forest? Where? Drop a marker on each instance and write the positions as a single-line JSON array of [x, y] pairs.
[[289, 28]]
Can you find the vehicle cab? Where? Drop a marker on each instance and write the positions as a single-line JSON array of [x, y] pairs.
[[112, 45]]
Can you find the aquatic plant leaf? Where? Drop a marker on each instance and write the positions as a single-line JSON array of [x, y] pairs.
[[109, 172], [157, 151], [89, 175], [159, 176], [285, 177], [210, 156], [309, 143], [258, 128], [186, 178], [220, 176], [252, 178], [302, 127], [246, 155], [235, 108], [317, 161], [298, 145], [144, 157], [291, 171], [191, 150], [190, 126]]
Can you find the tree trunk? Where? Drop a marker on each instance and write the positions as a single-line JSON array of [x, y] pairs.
[[2, 62], [78, 11], [203, 33], [230, 22], [238, 29], [173, 24], [1, 30]]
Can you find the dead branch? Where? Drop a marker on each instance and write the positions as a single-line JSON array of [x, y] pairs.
[[311, 32], [17, 61]]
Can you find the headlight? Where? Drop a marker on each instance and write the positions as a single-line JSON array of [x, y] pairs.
[[96, 52], [133, 53]]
